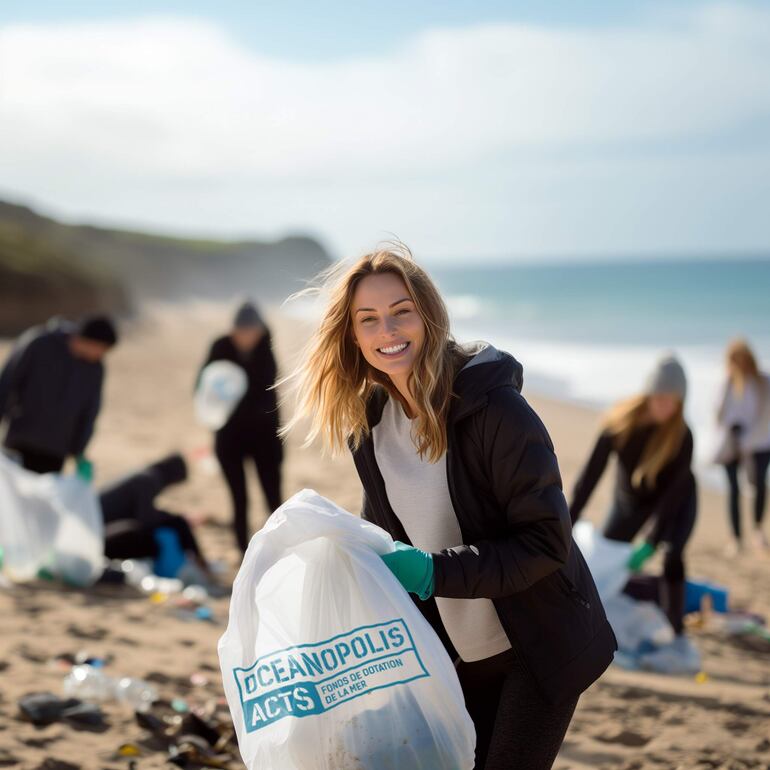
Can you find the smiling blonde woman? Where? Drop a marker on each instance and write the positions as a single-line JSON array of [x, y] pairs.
[[457, 467]]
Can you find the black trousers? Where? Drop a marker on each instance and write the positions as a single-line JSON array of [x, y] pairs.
[[516, 728], [40, 462], [624, 524], [134, 539], [235, 445], [760, 461]]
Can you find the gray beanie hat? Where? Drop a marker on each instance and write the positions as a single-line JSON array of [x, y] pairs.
[[667, 377], [247, 317]]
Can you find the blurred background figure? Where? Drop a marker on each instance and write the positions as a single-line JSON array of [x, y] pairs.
[[251, 432], [654, 482], [135, 528], [50, 392], [744, 418]]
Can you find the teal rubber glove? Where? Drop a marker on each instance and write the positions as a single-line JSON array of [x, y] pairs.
[[413, 568], [84, 469], [640, 555]]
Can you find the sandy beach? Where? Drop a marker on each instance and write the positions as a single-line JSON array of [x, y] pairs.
[[626, 721]]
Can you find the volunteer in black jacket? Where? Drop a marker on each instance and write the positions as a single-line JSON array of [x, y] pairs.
[[252, 430], [459, 469], [653, 484], [50, 392]]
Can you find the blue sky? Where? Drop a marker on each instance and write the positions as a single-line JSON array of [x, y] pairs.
[[335, 28], [497, 130]]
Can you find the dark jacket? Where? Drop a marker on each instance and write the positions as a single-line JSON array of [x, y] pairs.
[[259, 404], [49, 398], [133, 496], [517, 547], [662, 501]]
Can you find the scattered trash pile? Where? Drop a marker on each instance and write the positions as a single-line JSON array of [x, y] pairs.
[[193, 730], [187, 599]]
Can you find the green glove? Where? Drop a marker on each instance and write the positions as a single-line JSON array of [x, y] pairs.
[[639, 556], [84, 469], [413, 568]]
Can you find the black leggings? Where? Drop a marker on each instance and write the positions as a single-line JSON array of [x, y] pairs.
[[233, 448], [760, 460], [516, 728], [623, 524]]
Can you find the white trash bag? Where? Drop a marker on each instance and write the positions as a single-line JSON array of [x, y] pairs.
[[49, 521], [327, 663], [607, 559], [220, 389], [637, 625]]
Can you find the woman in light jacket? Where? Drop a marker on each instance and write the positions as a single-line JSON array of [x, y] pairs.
[[744, 417]]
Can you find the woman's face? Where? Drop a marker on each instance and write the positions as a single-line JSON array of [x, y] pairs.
[[386, 324], [663, 406]]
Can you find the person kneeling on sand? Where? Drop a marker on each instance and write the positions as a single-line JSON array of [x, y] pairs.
[[135, 528], [654, 482]]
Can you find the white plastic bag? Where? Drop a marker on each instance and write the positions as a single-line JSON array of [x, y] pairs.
[[326, 661], [607, 559], [221, 387], [637, 625], [49, 521]]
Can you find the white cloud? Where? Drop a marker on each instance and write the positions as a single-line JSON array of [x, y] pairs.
[[170, 121]]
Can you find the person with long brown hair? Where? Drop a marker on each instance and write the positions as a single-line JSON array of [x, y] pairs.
[[458, 468], [744, 416], [654, 481]]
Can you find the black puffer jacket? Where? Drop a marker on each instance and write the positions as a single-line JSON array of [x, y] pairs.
[[506, 491], [49, 397]]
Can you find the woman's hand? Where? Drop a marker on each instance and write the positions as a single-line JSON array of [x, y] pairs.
[[640, 555], [413, 568]]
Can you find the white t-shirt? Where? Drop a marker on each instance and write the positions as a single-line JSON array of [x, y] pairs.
[[418, 492]]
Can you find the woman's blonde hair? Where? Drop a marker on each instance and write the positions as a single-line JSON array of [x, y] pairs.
[[664, 443], [334, 381], [741, 366]]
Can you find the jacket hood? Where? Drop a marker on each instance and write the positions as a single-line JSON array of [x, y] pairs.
[[488, 368]]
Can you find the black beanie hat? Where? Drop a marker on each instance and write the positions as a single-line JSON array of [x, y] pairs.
[[169, 470], [98, 328], [247, 317]]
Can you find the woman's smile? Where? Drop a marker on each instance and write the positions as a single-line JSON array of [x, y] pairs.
[[393, 351]]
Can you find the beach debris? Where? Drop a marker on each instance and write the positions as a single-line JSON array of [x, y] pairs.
[[45, 708], [701, 593], [92, 683], [199, 679], [129, 750]]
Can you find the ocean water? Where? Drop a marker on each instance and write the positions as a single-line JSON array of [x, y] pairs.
[[590, 333]]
